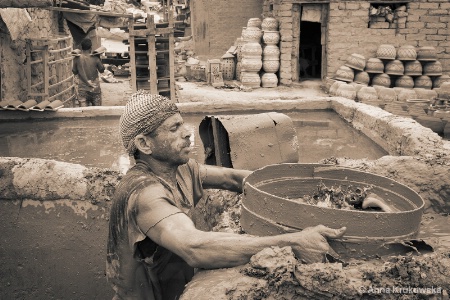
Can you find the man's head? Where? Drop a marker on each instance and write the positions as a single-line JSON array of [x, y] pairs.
[[142, 115], [86, 44]]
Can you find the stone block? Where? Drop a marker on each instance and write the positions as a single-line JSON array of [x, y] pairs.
[[379, 25]]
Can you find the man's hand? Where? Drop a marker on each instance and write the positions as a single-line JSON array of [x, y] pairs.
[[313, 245]]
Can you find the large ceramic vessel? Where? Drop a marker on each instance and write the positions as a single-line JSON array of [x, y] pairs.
[[251, 49], [347, 91], [404, 81], [271, 66], [381, 80], [345, 73], [269, 80], [407, 53], [438, 81], [413, 68], [367, 93], [254, 22], [394, 67], [250, 79], [423, 82], [386, 51], [356, 61], [362, 78], [252, 34], [271, 37], [374, 65], [251, 64], [432, 68], [269, 24], [271, 52], [426, 53]]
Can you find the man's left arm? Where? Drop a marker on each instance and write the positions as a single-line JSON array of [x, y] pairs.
[[214, 177]]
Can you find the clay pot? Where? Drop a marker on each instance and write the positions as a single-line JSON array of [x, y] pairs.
[[367, 93], [386, 94], [406, 94], [271, 37], [433, 68], [345, 73], [238, 70], [356, 61], [271, 66], [269, 24], [251, 49], [417, 106], [386, 51], [413, 68], [254, 22], [396, 108], [444, 92], [239, 43], [423, 82], [271, 52], [426, 53], [347, 91], [437, 82], [425, 93], [334, 87], [394, 67], [357, 86], [250, 79], [228, 66], [404, 81], [362, 78], [252, 34], [269, 80], [374, 65], [382, 80], [406, 53], [251, 64]]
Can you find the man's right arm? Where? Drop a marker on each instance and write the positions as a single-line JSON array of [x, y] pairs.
[[176, 232]]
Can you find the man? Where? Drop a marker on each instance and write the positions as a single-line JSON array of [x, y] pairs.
[[87, 66], [153, 245]]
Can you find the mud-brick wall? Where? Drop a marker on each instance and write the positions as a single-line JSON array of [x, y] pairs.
[[216, 24], [347, 31], [13, 53]]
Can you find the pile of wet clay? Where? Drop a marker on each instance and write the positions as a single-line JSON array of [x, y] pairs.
[[347, 197]]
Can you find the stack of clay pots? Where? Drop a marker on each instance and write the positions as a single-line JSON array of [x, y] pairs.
[[251, 53], [271, 52]]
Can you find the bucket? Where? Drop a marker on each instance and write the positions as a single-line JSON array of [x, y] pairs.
[[269, 207]]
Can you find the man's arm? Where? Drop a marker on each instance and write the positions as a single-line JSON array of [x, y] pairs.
[[176, 232], [222, 178]]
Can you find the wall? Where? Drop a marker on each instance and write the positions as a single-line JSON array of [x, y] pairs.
[[217, 24], [13, 57], [427, 24]]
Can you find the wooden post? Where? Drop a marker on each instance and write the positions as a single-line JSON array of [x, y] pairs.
[[171, 57], [151, 41], [132, 56]]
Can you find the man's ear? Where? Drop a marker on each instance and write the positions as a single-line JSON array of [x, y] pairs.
[[143, 143]]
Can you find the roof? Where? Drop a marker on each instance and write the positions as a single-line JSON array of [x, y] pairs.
[[25, 3]]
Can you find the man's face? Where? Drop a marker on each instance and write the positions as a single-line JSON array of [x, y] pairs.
[[171, 141]]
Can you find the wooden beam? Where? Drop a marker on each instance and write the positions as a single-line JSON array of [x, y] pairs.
[[82, 11]]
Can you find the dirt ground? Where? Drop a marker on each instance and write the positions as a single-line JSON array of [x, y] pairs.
[[115, 94]]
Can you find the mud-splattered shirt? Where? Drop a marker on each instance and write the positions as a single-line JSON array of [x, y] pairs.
[[87, 67], [137, 267]]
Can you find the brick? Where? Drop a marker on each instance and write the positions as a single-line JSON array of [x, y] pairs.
[[379, 25], [338, 13], [424, 5], [286, 56], [436, 25], [352, 6], [438, 12], [445, 19], [444, 31], [436, 38], [429, 19], [416, 25], [444, 5], [429, 31], [285, 81], [418, 12], [287, 13]]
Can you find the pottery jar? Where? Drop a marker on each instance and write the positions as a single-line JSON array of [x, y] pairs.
[[271, 52], [426, 53], [406, 94], [406, 53], [404, 81], [386, 94], [251, 64], [362, 77], [413, 68], [269, 24], [271, 66], [356, 61], [252, 34], [357, 86], [228, 66], [347, 91], [367, 93], [394, 67], [251, 49], [437, 82], [386, 51], [344, 73], [374, 65], [382, 80], [250, 79], [444, 91], [254, 22], [423, 82], [396, 108], [432, 68], [334, 87], [425, 94], [269, 80], [238, 70], [271, 37]]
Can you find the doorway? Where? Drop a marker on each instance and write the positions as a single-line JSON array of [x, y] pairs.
[[310, 51]]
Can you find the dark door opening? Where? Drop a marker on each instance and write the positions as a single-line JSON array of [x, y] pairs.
[[310, 56]]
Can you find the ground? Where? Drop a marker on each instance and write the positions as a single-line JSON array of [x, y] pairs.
[[115, 94]]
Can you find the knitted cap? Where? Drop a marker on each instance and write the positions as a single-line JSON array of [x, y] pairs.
[[143, 113]]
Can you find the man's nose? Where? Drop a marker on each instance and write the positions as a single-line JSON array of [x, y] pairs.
[[186, 132]]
